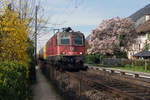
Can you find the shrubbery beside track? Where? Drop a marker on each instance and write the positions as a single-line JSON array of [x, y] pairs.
[[13, 81]]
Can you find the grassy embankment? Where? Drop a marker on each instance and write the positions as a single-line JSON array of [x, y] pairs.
[[126, 67]]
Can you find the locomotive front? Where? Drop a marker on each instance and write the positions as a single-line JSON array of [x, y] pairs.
[[70, 44], [70, 50]]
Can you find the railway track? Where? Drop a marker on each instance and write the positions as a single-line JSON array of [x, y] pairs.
[[115, 88]]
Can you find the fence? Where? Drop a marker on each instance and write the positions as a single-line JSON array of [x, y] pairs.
[[120, 62], [114, 62]]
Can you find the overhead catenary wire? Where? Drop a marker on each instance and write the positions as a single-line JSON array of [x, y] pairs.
[[71, 7]]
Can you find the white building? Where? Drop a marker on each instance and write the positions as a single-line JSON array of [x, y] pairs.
[[143, 40]]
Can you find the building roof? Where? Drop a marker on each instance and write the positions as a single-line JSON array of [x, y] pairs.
[[143, 53], [140, 13], [145, 27]]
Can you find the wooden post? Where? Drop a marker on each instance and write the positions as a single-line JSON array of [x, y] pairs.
[[132, 63], [79, 90], [135, 75], [122, 73], [61, 81], [51, 72], [104, 70], [145, 65], [54, 73], [111, 71]]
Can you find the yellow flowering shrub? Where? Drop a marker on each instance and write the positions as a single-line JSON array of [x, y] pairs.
[[16, 59], [13, 37]]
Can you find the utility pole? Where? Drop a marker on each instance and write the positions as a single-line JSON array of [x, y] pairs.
[[20, 13], [35, 34]]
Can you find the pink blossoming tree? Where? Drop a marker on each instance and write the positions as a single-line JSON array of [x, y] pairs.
[[111, 35]]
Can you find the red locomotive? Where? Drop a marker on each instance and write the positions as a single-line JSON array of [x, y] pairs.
[[65, 50]]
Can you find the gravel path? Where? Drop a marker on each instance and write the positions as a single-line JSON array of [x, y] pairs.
[[42, 90]]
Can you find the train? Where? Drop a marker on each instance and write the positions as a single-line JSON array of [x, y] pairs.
[[65, 50]]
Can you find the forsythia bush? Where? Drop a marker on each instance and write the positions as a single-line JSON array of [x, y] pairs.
[[13, 37], [15, 56]]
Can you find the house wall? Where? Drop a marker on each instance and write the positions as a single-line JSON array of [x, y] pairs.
[[142, 40], [140, 44]]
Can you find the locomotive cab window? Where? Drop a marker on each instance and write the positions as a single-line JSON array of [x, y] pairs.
[[78, 40], [65, 39]]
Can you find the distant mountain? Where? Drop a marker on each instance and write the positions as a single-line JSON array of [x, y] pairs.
[[140, 13]]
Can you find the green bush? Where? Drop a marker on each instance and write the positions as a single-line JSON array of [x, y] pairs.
[[127, 66], [139, 63], [31, 62], [13, 81], [127, 62], [93, 59]]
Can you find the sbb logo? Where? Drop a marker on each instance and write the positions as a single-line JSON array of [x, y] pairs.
[[71, 48]]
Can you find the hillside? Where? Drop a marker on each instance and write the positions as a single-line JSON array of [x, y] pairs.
[[140, 13], [136, 15]]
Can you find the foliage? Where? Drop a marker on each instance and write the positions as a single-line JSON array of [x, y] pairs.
[[127, 66], [31, 62], [111, 35], [17, 50], [94, 59], [120, 54], [12, 81], [13, 37], [135, 65], [125, 62], [134, 68]]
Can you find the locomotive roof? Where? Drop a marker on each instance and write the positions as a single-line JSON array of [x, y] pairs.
[[70, 33]]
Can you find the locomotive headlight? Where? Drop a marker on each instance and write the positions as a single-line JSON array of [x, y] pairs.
[[63, 53], [80, 53]]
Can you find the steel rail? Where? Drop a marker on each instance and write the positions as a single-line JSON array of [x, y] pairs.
[[98, 85]]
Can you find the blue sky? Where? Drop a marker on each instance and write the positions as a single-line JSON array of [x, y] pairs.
[[85, 15]]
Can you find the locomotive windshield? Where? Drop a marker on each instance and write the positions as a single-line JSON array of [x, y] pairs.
[[78, 40], [63, 39]]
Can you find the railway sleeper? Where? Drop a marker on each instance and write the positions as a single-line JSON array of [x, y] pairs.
[[133, 86], [115, 92], [115, 85], [121, 87], [140, 94], [146, 98]]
